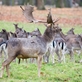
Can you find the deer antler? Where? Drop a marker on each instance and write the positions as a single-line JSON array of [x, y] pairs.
[[49, 17], [28, 13]]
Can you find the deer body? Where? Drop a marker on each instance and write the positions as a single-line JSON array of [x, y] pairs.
[[34, 47]]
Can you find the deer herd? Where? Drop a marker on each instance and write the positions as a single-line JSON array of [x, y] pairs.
[[23, 45]]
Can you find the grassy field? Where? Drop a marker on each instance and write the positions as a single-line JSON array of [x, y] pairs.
[[58, 72]]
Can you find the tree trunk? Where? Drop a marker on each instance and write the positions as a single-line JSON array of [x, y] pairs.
[[60, 3], [20, 2], [40, 4], [68, 3], [12, 2], [5, 2], [80, 3]]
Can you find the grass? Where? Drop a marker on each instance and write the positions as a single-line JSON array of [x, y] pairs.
[[58, 72]]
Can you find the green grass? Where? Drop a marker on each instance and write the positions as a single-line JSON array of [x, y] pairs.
[[58, 72]]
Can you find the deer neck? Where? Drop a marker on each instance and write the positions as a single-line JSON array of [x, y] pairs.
[[47, 37], [62, 35]]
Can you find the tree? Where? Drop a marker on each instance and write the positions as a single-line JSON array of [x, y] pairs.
[[40, 4], [5, 2]]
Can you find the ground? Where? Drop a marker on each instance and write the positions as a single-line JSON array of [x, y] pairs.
[[72, 16]]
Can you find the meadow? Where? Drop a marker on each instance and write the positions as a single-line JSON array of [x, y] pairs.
[[58, 72]]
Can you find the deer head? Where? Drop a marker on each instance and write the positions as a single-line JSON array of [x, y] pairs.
[[71, 31], [4, 34], [13, 35], [36, 32]]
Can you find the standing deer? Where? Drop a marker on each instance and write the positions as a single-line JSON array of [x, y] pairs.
[[20, 33], [34, 47], [3, 37]]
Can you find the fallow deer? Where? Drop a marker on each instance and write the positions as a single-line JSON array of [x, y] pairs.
[[34, 47]]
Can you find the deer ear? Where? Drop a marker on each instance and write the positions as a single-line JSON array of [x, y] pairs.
[[16, 25], [36, 29], [11, 32], [22, 8], [15, 34], [3, 30], [24, 31]]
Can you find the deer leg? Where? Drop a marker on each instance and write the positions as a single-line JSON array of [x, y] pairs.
[[26, 60], [71, 56], [63, 57], [53, 58], [79, 52], [59, 57], [5, 53], [48, 55], [4, 64], [7, 70], [2, 70], [19, 61], [39, 62]]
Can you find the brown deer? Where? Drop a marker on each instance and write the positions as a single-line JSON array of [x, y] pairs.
[[20, 33], [61, 45], [72, 44], [34, 47]]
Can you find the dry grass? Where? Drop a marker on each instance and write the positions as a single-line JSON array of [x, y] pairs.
[[72, 16]]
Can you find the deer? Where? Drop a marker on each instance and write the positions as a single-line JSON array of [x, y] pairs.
[[34, 47], [59, 45], [20, 33], [3, 37], [72, 44], [71, 31]]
